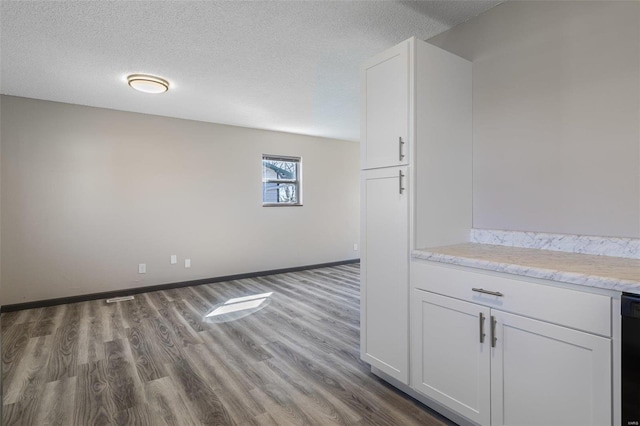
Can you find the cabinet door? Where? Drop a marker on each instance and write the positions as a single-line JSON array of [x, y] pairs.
[[450, 363], [384, 270], [385, 110], [544, 374]]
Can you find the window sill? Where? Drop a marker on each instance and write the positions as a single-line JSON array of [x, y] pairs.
[[281, 205]]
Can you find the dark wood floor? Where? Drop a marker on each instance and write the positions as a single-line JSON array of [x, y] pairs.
[[155, 361]]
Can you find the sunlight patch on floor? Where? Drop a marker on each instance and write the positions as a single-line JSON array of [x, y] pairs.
[[239, 307]]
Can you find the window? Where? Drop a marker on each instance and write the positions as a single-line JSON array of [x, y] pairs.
[[281, 181]]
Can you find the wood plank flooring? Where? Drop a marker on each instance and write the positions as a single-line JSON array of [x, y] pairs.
[[157, 361]]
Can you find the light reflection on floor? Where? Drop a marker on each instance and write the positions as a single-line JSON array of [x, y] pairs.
[[236, 308]]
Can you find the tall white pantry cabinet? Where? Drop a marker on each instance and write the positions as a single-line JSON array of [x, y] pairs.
[[416, 163]]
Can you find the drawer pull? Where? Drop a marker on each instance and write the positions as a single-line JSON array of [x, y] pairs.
[[483, 291], [482, 327], [494, 339]]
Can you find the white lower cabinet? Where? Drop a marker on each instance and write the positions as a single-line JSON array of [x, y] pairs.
[[545, 374], [497, 368], [449, 362], [384, 320]]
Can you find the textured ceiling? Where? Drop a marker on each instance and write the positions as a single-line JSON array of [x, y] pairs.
[[291, 66]]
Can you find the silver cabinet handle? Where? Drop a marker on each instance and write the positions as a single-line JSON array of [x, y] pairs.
[[482, 290], [400, 187], [494, 339], [482, 327], [400, 143]]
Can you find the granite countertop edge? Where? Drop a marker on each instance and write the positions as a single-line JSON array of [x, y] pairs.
[[587, 280]]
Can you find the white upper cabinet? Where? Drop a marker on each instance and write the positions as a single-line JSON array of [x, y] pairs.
[[386, 112]]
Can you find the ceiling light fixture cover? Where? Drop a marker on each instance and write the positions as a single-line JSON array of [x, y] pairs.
[[148, 83]]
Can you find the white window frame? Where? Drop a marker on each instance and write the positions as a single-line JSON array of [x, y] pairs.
[[297, 182]]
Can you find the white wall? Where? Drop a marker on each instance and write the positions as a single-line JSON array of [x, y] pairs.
[[556, 110], [89, 193]]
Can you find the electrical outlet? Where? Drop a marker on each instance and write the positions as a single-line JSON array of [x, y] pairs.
[[174, 259], [355, 246], [187, 263], [142, 268]]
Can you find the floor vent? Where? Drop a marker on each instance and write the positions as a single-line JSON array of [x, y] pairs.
[[119, 299]]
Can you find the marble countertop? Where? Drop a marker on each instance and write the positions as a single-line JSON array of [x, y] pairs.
[[611, 273]]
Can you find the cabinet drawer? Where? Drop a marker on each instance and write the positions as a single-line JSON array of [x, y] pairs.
[[571, 308]]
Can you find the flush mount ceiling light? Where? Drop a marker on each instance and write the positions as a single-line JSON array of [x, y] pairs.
[[148, 83]]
